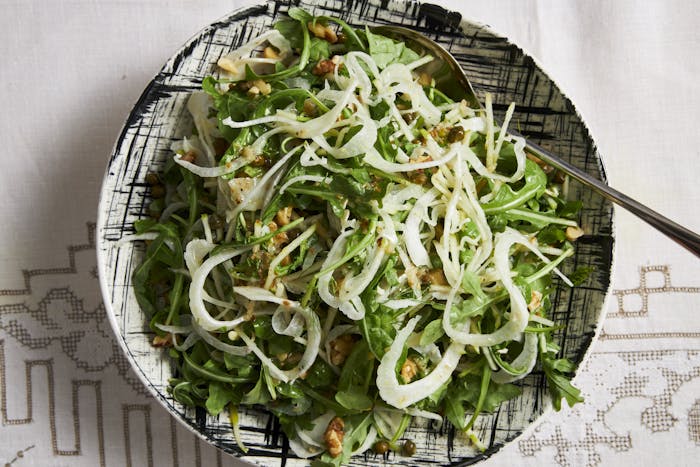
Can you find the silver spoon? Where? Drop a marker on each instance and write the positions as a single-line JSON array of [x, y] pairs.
[[451, 79]]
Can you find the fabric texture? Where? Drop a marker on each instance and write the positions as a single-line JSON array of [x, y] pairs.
[[73, 70]]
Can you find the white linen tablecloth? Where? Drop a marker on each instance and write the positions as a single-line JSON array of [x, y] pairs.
[[71, 71]]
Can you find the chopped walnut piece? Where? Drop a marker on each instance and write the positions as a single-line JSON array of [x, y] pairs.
[[322, 32], [269, 52], [434, 277], [418, 177], [341, 348], [323, 67], [335, 432], [408, 370], [262, 86], [572, 233], [163, 341], [535, 300], [284, 215]]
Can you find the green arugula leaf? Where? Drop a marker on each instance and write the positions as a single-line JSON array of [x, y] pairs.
[[432, 332], [386, 51], [220, 394], [560, 387], [354, 399]]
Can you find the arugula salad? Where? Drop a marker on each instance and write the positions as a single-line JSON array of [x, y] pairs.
[[340, 242]]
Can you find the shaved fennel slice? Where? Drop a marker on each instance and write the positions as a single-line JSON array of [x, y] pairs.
[[258, 190], [403, 395], [234, 62], [519, 314], [190, 340], [504, 127], [523, 363], [401, 75], [373, 158], [239, 350], [195, 251], [470, 204], [479, 168], [135, 238], [414, 246], [199, 276], [413, 412], [198, 105], [491, 156], [313, 334], [218, 171], [362, 142], [352, 63], [336, 253], [310, 442], [286, 251], [174, 329], [395, 199], [368, 442], [304, 178], [353, 286], [285, 325]]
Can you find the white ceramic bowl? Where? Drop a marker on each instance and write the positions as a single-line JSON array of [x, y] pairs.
[[493, 64]]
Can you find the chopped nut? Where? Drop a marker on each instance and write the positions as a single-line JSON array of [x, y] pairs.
[[163, 341], [247, 153], [240, 188], [253, 91], [334, 436], [434, 277], [269, 52], [418, 177], [535, 300], [424, 79], [408, 370], [572, 233], [456, 134], [341, 348], [279, 240], [262, 86], [283, 216], [323, 67], [322, 32], [259, 161]]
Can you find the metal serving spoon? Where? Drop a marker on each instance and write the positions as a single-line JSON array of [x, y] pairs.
[[451, 79]]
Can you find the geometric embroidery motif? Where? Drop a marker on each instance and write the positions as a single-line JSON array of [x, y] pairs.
[[634, 302]]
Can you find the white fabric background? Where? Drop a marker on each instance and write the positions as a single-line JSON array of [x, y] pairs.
[[71, 71]]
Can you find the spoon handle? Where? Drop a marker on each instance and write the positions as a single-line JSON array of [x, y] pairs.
[[686, 238]]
